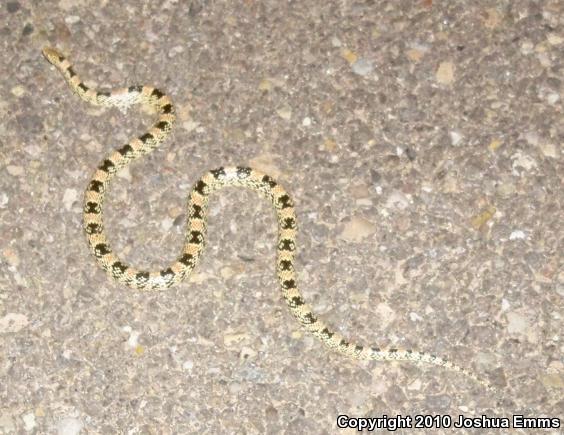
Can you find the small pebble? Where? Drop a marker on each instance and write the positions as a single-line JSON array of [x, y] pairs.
[[230, 339], [414, 55], [505, 305], [329, 145], [69, 197], [357, 229], [13, 7], [532, 138], [190, 125], [553, 380], [166, 223], [552, 98], [349, 56], [247, 353], [27, 30], [384, 314], [517, 235], [13, 322], [29, 421], [363, 67], [526, 47], [517, 323], [455, 138], [133, 340], [265, 85], [492, 18], [267, 164], [397, 200], [7, 423], [494, 144], [3, 199], [285, 113], [33, 150], [227, 272], [549, 150], [235, 388], [554, 39], [11, 257], [524, 161], [17, 91], [177, 49], [445, 73], [69, 426], [481, 219], [72, 19]]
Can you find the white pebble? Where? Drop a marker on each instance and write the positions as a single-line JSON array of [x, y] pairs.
[[124, 173], [554, 39], [517, 323], [527, 47], [33, 150], [72, 19], [13, 322], [3, 199], [69, 426], [363, 67], [18, 91], [552, 98], [397, 200], [166, 223], [415, 317], [306, 122], [29, 421], [517, 235], [177, 49], [69, 197], [455, 138], [522, 160], [133, 340], [532, 137]]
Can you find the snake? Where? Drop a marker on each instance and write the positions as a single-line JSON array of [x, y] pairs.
[[196, 225]]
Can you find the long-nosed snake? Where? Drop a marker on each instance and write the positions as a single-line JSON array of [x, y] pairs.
[[197, 216]]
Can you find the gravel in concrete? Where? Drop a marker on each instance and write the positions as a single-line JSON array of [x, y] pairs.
[[422, 143]]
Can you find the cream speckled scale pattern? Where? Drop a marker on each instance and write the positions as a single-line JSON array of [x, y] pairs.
[[197, 216]]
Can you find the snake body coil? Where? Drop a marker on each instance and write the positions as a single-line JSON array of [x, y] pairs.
[[197, 216]]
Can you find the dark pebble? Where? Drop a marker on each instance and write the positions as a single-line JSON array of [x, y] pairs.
[[13, 7], [27, 30]]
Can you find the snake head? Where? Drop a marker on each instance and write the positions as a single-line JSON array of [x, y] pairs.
[[52, 55]]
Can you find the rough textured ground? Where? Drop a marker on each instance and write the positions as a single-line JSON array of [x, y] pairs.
[[422, 143]]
